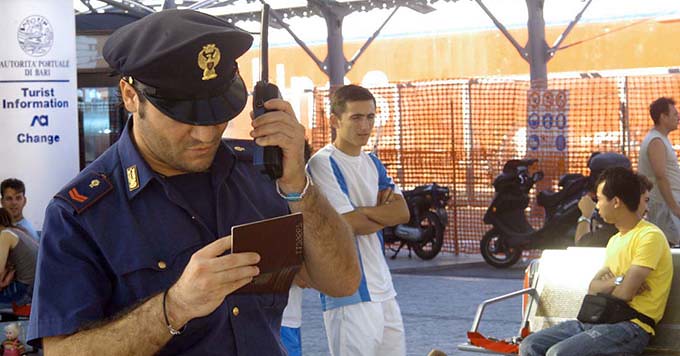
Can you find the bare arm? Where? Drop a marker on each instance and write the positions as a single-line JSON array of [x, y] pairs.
[[390, 214], [331, 260], [633, 283], [582, 228], [367, 220], [124, 332], [206, 281], [586, 205], [656, 154], [603, 282], [360, 223], [7, 241]]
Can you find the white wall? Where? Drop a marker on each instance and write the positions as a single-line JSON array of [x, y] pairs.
[[38, 99]]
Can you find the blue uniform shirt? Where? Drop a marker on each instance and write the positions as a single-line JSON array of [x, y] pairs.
[[117, 235]]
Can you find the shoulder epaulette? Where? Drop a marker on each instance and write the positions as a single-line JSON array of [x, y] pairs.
[[243, 149], [84, 191]]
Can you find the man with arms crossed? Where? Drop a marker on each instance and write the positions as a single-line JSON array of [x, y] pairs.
[[659, 162], [356, 184], [638, 269], [135, 255]]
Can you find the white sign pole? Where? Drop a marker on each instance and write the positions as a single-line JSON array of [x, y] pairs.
[[38, 99]]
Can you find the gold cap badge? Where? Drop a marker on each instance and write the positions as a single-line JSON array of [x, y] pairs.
[[208, 59], [132, 179]]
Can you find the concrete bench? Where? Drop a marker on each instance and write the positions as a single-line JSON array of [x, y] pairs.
[[559, 285]]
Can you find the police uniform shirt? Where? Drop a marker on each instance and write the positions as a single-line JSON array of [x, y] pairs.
[[118, 234]]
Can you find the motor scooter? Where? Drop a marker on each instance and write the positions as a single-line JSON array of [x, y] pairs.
[[511, 232], [424, 233]]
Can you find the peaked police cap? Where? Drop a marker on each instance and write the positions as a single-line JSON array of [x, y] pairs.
[[184, 63]]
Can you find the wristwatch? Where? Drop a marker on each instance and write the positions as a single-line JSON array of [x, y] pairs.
[[618, 280], [582, 219]]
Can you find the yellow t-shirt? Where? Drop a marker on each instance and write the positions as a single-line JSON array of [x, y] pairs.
[[644, 245]]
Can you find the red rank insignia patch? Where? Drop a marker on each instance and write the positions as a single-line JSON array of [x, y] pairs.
[[85, 191], [73, 193]]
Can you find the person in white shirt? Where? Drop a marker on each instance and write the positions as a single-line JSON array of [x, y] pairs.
[[356, 184], [291, 322], [13, 199], [659, 162]]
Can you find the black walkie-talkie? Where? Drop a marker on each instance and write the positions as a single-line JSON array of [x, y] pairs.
[[270, 158]]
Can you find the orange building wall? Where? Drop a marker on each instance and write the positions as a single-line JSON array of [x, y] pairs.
[[482, 53]]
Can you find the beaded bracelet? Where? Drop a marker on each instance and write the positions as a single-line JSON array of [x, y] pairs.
[[295, 197]]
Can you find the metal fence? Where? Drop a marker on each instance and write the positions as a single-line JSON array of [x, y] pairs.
[[460, 132]]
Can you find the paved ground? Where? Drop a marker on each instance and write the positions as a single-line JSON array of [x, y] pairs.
[[438, 300]]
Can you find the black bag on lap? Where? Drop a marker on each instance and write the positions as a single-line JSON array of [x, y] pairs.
[[606, 309]]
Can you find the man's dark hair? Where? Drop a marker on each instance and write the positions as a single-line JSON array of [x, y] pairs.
[[645, 184], [14, 184], [622, 183], [660, 106], [347, 93]]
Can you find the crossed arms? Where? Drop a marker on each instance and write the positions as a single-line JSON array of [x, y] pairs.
[[390, 210], [633, 283]]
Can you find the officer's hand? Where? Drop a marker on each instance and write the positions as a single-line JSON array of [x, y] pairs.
[[207, 279], [281, 128]]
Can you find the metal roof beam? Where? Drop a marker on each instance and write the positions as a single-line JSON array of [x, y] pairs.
[[363, 48], [89, 6], [204, 4], [522, 51], [297, 39], [563, 36], [418, 6], [125, 7], [169, 4], [136, 3]]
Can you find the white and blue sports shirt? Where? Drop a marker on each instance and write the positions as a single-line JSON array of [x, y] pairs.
[[349, 182]]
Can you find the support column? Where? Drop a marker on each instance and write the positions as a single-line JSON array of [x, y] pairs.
[[336, 64], [537, 47]]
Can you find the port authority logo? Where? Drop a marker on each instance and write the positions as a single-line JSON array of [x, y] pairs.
[[35, 35]]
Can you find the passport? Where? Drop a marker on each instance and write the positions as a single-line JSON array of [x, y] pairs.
[[279, 242]]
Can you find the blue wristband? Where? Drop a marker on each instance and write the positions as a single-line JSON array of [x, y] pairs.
[[294, 197]]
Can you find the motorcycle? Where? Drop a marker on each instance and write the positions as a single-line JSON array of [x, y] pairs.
[[424, 233], [511, 232]]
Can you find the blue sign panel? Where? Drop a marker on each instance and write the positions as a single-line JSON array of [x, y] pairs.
[[547, 120], [534, 120], [533, 142], [561, 121], [560, 143]]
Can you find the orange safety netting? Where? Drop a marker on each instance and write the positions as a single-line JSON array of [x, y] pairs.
[[460, 132]]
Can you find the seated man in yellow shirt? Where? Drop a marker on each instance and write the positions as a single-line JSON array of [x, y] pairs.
[[638, 269]]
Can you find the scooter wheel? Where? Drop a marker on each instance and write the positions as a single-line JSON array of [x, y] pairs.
[[496, 252], [433, 239]]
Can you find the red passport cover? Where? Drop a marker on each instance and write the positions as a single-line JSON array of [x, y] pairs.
[[279, 242]]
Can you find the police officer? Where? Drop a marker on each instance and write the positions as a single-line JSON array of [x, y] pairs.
[[133, 260]]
